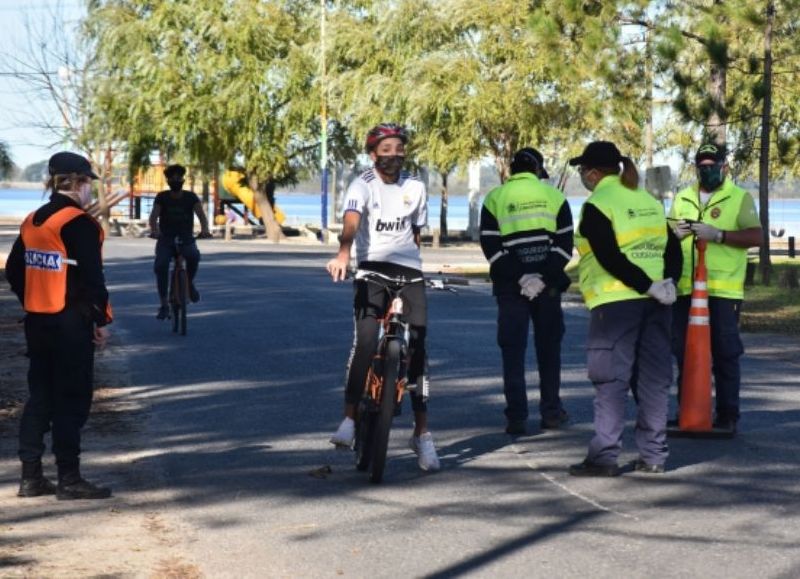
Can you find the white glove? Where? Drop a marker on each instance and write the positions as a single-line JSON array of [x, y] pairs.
[[525, 278], [672, 292], [531, 285], [682, 229], [662, 291], [707, 232]]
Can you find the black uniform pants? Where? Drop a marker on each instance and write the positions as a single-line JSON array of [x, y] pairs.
[[60, 386], [514, 316]]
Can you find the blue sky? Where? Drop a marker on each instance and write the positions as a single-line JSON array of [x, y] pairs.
[[20, 110]]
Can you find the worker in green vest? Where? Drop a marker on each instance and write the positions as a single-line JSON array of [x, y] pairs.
[[724, 215], [629, 263], [526, 236]]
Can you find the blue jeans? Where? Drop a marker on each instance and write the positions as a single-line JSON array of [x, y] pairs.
[[514, 315], [726, 349], [165, 251]]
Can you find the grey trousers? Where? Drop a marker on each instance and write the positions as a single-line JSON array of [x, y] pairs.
[[629, 348]]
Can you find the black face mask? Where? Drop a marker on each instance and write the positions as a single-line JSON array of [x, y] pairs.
[[710, 176], [390, 165], [175, 184]]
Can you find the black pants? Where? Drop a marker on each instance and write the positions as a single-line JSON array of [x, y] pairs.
[[165, 251], [726, 349], [514, 316], [370, 304], [60, 386]]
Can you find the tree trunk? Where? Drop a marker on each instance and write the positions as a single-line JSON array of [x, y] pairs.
[[716, 126], [763, 161], [104, 188], [443, 213], [265, 196], [648, 68]]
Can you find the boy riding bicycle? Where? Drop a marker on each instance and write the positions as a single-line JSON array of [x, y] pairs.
[[385, 208]]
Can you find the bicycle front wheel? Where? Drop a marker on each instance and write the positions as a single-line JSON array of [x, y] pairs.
[[380, 442], [365, 433]]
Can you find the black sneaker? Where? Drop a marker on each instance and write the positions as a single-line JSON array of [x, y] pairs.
[[36, 487], [723, 423], [587, 468], [163, 313], [517, 427], [554, 422], [641, 466], [194, 295], [81, 489]]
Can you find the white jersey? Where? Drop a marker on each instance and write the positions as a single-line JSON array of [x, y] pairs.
[[389, 214]]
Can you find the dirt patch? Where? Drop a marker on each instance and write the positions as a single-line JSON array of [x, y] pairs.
[[121, 537]]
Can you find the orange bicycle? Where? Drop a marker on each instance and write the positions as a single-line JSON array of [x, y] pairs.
[[386, 379]]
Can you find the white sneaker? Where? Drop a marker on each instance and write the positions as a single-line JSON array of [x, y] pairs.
[[345, 435], [425, 450]]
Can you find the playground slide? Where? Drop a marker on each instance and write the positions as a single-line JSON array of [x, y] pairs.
[[232, 181]]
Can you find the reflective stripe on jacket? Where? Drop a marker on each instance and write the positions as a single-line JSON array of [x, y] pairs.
[[727, 266], [525, 212], [640, 230]]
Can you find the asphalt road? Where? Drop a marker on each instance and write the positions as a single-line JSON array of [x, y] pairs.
[[241, 410]]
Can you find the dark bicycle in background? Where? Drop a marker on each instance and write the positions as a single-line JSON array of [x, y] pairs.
[[178, 288]]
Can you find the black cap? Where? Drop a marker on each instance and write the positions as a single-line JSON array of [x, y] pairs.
[[710, 151], [65, 163], [530, 160], [178, 170], [598, 154]]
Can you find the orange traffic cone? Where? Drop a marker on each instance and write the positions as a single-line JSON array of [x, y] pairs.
[[695, 402]]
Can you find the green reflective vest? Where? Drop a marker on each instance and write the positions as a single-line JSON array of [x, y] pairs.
[[726, 265], [641, 232], [523, 203]]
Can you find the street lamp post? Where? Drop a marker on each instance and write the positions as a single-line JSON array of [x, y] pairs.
[[323, 125]]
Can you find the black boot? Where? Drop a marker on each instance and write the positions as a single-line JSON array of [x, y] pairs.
[[71, 486], [33, 482]]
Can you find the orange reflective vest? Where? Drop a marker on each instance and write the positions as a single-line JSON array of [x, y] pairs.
[[46, 262]]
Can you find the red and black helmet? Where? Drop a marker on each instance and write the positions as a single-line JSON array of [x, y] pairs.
[[385, 131]]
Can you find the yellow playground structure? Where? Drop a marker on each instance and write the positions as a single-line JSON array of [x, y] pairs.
[[234, 183]]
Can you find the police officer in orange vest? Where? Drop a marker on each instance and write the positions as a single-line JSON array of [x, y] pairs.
[[56, 270]]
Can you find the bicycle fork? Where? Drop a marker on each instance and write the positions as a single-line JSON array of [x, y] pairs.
[[391, 328]]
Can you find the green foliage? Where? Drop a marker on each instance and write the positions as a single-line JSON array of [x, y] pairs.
[[239, 81], [6, 163]]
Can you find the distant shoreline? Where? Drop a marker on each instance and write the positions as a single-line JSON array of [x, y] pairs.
[[31, 185]]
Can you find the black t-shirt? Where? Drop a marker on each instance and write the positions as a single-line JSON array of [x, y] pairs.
[[177, 214]]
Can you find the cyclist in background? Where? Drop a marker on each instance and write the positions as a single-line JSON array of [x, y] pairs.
[[385, 208], [173, 216]]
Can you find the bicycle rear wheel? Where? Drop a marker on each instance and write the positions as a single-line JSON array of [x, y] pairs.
[[380, 441], [183, 299], [174, 298]]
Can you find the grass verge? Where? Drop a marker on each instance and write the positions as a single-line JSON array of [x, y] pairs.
[[773, 308]]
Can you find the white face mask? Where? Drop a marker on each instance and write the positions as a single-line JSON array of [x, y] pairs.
[[585, 181], [85, 194]]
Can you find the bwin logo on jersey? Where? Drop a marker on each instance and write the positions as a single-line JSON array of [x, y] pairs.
[[48, 260], [396, 225]]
